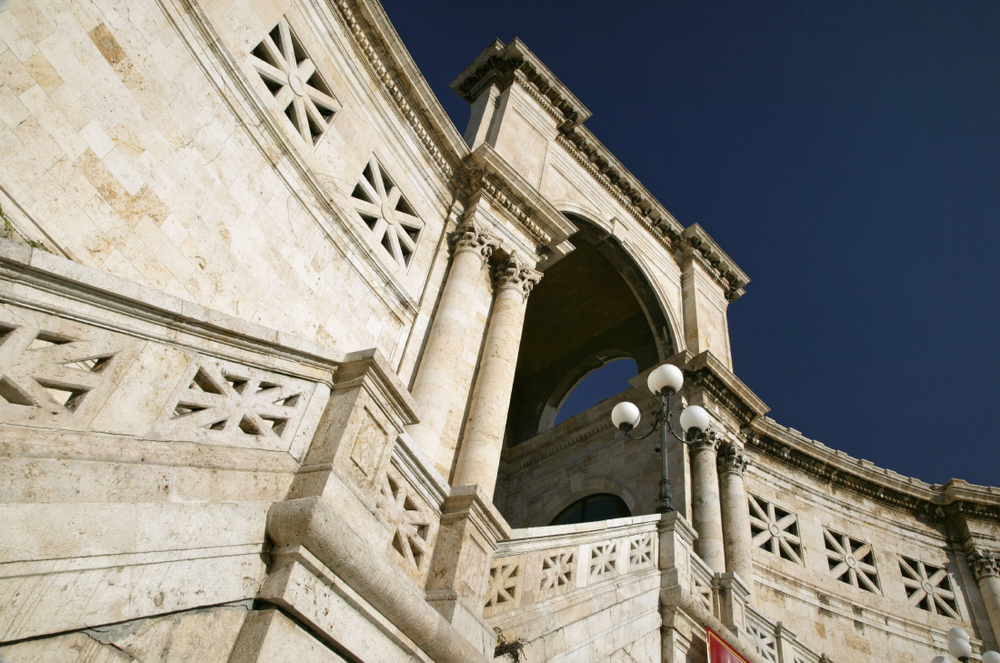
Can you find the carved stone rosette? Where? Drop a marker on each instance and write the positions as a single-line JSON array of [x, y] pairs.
[[513, 274], [983, 563], [731, 458], [471, 236]]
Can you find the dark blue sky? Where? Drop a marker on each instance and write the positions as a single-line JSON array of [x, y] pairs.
[[845, 155]]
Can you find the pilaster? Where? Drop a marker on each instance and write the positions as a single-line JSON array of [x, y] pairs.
[[985, 566]]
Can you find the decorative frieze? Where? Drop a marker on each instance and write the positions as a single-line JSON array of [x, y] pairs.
[[558, 573], [56, 372], [604, 560]]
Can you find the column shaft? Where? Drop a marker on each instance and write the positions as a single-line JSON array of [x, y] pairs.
[[479, 456], [735, 514], [986, 568], [706, 508], [435, 388]]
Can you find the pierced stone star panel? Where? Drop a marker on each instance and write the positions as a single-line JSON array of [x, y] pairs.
[[505, 583], [763, 642], [412, 521], [54, 372], [234, 405], [603, 560], [928, 587], [381, 205], [297, 85], [775, 530], [852, 562], [558, 573]]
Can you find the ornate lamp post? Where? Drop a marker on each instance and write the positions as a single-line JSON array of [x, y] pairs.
[[959, 647], [664, 381]]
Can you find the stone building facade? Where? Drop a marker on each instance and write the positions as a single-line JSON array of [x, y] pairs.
[[281, 354]]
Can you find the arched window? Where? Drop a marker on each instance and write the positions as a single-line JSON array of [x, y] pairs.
[[601, 506], [609, 380]]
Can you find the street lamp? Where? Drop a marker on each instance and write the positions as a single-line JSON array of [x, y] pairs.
[[960, 648], [665, 381]]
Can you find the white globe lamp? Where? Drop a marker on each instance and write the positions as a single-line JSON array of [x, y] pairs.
[[666, 379], [695, 420], [625, 416]]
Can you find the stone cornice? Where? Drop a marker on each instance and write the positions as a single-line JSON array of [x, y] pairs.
[[500, 65], [706, 371], [714, 260], [651, 215], [391, 64], [471, 502], [489, 175], [788, 446]]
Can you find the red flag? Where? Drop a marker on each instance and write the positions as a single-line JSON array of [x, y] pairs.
[[719, 650]]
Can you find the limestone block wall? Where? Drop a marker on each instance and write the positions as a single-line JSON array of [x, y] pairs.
[[141, 139], [857, 576]]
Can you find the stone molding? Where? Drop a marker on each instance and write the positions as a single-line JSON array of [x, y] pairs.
[[697, 244], [470, 502], [984, 563], [789, 447], [489, 177], [514, 275], [732, 459], [471, 236], [706, 371], [501, 64], [370, 32]]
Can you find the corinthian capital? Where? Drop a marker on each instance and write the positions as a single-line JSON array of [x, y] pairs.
[[513, 274], [983, 562], [731, 459], [471, 236]]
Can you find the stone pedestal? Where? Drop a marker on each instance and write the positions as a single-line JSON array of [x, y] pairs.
[[435, 387], [467, 538], [346, 461], [706, 508], [735, 513], [732, 599], [479, 455]]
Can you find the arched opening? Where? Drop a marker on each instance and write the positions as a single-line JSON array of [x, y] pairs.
[[609, 379], [592, 508], [594, 299]]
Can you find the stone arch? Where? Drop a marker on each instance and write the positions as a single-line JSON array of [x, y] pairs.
[[572, 379], [595, 298], [589, 486]]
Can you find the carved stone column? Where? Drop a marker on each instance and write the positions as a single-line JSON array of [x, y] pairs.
[[735, 513], [479, 455], [985, 566], [706, 508], [434, 389]]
